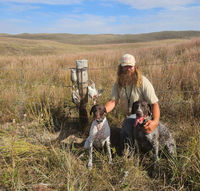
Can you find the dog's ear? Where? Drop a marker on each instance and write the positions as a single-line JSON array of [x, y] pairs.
[[134, 107], [149, 112], [92, 109]]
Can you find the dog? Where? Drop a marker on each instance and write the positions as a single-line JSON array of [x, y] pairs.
[[99, 133], [160, 137]]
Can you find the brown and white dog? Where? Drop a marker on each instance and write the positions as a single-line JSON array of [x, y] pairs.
[[99, 132]]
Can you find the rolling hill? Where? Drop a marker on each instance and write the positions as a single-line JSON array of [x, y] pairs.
[[88, 39]]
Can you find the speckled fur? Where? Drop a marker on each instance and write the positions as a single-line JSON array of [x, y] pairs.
[[160, 137]]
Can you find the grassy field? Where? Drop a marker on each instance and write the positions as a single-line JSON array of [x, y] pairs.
[[37, 125], [23, 47]]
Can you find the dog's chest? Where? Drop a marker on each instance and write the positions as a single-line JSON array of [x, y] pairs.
[[145, 140], [100, 133]]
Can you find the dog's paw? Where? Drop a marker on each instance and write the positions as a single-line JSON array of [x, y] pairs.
[[110, 162], [89, 166], [81, 155]]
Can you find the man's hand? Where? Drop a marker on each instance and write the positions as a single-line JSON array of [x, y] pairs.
[[150, 126], [110, 105]]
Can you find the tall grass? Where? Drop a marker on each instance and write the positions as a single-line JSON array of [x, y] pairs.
[[32, 157]]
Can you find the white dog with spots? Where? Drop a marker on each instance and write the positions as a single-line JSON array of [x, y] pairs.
[[99, 133]]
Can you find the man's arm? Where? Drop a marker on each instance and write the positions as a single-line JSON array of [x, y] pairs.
[[151, 125], [110, 105]]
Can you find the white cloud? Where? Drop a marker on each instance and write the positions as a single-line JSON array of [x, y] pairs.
[[17, 21], [50, 2], [148, 4], [175, 17], [20, 8], [141, 4], [78, 9], [173, 20], [185, 19], [14, 28], [106, 4], [84, 24]]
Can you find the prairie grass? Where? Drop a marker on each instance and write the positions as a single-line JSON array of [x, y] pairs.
[[35, 116]]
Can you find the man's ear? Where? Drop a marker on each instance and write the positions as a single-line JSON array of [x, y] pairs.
[[134, 107]]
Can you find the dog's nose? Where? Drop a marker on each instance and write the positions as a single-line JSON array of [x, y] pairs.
[[138, 113]]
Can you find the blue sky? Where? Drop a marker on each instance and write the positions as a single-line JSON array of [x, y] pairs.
[[98, 16]]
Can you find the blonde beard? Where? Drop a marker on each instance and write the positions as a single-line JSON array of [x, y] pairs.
[[129, 78]]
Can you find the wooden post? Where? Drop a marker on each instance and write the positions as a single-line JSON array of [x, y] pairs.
[[82, 83]]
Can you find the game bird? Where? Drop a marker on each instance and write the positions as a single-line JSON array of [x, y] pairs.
[[73, 76], [75, 97], [94, 93]]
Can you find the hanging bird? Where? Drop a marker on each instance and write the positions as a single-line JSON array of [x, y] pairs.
[[73, 76], [75, 97], [93, 93]]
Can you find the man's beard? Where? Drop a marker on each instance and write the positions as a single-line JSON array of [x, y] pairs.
[[127, 78]]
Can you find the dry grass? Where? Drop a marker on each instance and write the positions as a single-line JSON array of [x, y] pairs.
[[30, 147]]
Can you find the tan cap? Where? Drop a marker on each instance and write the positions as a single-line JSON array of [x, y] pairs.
[[128, 60]]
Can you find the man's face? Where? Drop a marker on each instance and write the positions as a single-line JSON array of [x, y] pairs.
[[128, 70], [127, 76]]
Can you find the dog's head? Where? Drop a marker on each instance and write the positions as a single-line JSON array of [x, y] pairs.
[[142, 109], [99, 112]]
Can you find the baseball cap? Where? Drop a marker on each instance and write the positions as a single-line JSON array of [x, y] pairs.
[[128, 60]]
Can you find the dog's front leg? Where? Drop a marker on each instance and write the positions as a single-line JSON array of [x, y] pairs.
[[90, 156], [89, 146], [155, 157], [109, 150]]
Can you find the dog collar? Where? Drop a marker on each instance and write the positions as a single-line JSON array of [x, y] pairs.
[[99, 120], [147, 118]]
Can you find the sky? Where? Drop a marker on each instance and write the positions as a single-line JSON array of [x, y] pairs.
[[98, 16]]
